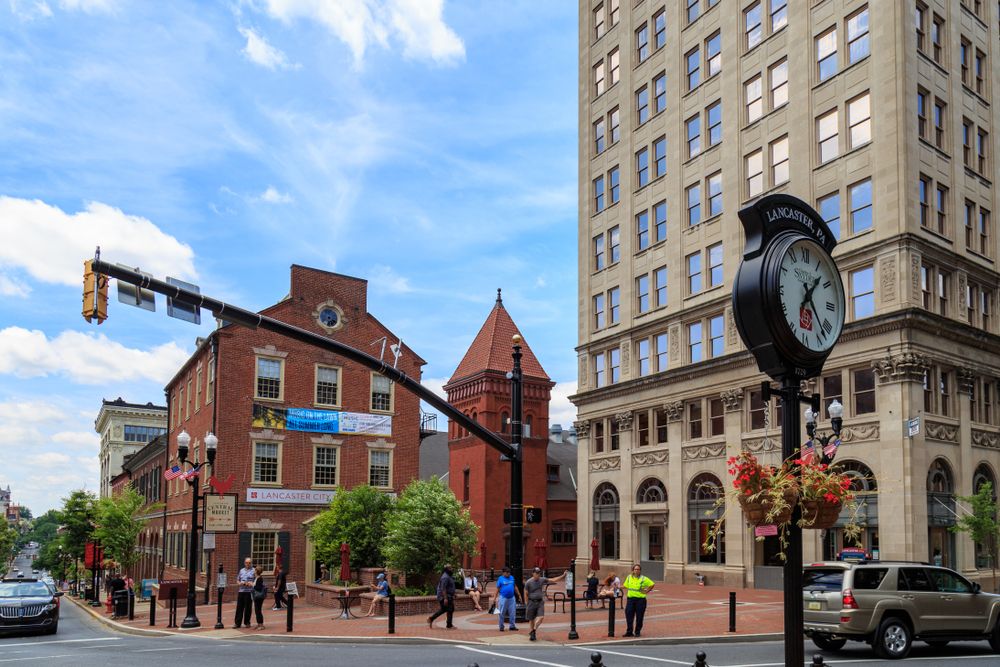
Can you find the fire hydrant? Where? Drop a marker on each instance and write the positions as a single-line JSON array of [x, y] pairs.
[[109, 605]]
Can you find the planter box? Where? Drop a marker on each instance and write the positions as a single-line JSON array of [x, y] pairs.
[[422, 604]]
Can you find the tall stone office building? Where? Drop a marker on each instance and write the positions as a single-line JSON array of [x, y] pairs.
[[883, 115]]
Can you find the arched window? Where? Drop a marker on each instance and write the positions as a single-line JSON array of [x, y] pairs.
[[864, 512], [606, 520], [983, 475], [504, 422], [940, 513], [651, 491], [702, 513]]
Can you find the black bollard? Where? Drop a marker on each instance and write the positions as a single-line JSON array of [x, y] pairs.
[[699, 659], [595, 660], [131, 606], [290, 613], [732, 611], [611, 616], [152, 610], [172, 614], [818, 660], [392, 613], [573, 634]]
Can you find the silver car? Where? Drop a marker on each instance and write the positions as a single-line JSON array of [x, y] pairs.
[[891, 604]]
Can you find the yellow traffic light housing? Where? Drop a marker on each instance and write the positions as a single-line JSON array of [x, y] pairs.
[[95, 294]]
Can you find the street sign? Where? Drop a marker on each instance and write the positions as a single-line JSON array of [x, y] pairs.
[[134, 295], [569, 582], [220, 514], [208, 541], [183, 311], [766, 530], [220, 580], [913, 426], [292, 588]]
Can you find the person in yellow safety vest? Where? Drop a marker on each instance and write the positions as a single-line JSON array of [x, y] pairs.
[[636, 587]]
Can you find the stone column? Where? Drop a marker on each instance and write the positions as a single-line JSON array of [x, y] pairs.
[[900, 462], [677, 549], [584, 492], [739, 537], [628, 545], [966, 556]]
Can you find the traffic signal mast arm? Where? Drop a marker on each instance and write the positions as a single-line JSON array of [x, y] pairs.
[[252, 320]]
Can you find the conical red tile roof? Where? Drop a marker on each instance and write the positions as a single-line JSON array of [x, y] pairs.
[[491, 349]]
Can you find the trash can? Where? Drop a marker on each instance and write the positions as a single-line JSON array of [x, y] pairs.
[[120, 602]]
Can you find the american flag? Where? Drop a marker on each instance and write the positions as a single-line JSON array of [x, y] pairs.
[[192, 473], [807, 452], [173, 473]]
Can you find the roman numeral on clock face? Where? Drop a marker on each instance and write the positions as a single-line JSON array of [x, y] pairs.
[[805, 255], [827, 326], [830, 306]]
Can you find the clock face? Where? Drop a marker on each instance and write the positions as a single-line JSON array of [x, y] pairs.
[[328, 316], [811, 295]]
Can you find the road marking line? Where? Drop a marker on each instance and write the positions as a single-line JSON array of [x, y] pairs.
[[63, 641], [514, 657], [151, 650], [602, 651], [40, 657]]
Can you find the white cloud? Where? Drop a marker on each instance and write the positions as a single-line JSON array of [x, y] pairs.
[[30, 412], [29, 10], [385, 278], [259, 51], [561, 411], [89, 6], [13, 287], [51, 244], [359, 23], [47, 459], [85, 358], [273, 196], [78, 439]]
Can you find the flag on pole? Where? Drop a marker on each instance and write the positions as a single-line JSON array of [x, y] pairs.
[[830, 450], [173, 473], [807, 452], [192, 473]]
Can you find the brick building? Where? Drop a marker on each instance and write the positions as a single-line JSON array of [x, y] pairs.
[[294, 424], [478, 478], [144, 470]]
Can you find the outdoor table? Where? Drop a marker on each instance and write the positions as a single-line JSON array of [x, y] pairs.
[[345, 605]]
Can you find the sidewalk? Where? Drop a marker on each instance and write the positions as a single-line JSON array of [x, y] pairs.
[[675, 614]]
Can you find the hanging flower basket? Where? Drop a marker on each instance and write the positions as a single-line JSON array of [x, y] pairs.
[[820, 514], [769, 510]]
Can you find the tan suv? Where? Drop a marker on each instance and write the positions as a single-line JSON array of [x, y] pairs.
[[890, 604]]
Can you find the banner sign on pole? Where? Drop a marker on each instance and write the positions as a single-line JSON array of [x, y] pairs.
[[220, 513]]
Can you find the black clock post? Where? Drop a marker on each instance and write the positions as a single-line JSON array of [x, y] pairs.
[[786, 273]]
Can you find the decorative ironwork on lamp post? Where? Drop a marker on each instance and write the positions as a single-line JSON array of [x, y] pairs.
[[191, 476]]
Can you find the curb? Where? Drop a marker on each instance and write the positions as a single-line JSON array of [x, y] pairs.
[[327, 639]]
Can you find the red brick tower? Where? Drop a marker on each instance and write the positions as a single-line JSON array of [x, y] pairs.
[[478, 478]]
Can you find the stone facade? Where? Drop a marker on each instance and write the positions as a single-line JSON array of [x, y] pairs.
[[891, 141], [125, 428]]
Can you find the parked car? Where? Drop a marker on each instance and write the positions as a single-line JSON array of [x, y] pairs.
[[892, 604], [27, 605]]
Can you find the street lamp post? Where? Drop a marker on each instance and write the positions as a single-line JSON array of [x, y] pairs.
[[836, 412], [211, 442], [516, 467]]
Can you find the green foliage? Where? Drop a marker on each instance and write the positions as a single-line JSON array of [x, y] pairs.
[[357, 517], [44, 529], [982, 525], [428, 529], [119, 524], [8, 545], [413, 591], [77, 516]]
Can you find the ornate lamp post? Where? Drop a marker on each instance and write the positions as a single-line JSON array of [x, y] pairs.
[[191, 476], [836, 412]]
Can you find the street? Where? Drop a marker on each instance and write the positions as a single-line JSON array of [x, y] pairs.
[[83, 641]]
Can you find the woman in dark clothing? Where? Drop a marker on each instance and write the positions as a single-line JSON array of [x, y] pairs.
[[259, 595], [591, 593], [279, 588]]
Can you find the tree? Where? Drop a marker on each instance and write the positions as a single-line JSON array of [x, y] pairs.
[[981, 524], [428, 529], [77, 517], [8, 544], [358, 518], [119, 524]]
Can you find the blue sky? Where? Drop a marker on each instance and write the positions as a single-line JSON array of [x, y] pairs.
[[427, 146]]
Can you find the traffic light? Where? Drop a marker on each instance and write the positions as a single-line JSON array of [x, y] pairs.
[[95, 294]]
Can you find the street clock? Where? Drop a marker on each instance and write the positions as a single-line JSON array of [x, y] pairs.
[[788, 298]]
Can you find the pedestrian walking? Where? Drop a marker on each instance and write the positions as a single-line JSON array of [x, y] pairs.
[[259, 595], [445, 597], [280, 586], [244, 597], [470, 585], [507, 593], [534, 590], [636, 587], [382, 591]]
